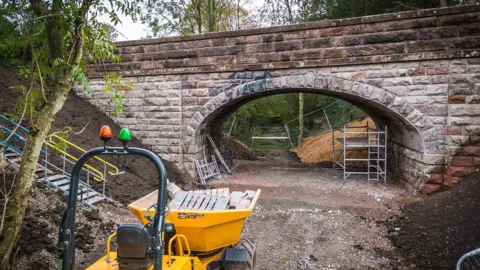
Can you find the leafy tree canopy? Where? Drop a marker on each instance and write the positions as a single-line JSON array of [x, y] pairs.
[[184, 17], [51, 42]]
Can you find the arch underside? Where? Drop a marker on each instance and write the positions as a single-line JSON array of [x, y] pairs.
[[405, 123]]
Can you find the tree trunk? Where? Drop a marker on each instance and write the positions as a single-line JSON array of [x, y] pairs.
[[443, 3], [28, 165], [290, 13], [199, 16], [300, 120]]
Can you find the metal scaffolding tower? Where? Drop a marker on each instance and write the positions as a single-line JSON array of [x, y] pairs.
[[357, 139]]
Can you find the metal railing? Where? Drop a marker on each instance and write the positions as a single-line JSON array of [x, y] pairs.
[[52, 138], [55, 142], [469, 261]]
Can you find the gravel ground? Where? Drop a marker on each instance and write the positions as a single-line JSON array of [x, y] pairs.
[[309, 218]]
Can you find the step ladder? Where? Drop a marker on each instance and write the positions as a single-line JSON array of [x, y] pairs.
[[60, 182]]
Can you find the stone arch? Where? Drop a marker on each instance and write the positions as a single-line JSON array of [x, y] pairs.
[[407, 125]]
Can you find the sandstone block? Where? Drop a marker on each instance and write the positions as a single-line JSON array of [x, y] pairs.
[[476, 162], [437, 70], [456, 100], [453, 130], [426, 99], [460, 171], [473, 99], [291, 45], [462, 161], [416, 72], [433, 109], [430, 188], [435, 179], [471, 150], [460, 89], [464, 110], [389, 37], [451, 181]]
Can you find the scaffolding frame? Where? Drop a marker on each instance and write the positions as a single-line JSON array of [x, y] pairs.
[[372, 139]]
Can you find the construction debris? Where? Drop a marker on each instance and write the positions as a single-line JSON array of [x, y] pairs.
[[207, 170], [218, 153], [212, 199]]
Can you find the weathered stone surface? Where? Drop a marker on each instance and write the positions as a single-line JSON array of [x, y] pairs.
[[463, 161], [451, 181], [419, 75], [455, 171], [456, 100], [435, 179], [472, 150], [431, 188]]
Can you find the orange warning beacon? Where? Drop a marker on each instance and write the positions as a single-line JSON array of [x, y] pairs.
[[106, 133]]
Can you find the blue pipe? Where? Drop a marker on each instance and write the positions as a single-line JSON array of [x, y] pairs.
[[15, 136], [14, 123]]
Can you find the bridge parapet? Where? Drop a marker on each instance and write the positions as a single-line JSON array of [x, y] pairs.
[[446, 33]]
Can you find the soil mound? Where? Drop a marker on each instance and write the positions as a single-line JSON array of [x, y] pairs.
[[436, 232], [140, 177], [319, 149], [238, 149]]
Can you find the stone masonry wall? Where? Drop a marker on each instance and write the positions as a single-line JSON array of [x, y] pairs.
[[423, 65]]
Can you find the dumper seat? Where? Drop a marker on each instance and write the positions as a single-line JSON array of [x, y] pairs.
[[134, 247]]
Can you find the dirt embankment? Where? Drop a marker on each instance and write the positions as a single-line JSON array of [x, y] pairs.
[[435, 233], [319, 149], [140, 177], [36, 248]]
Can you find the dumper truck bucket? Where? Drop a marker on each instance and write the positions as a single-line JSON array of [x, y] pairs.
[[206, 230]]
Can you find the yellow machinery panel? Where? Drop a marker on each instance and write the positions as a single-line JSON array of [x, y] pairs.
[[206, 230], [178, 263]]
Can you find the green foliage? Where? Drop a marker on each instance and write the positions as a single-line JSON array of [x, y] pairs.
[[64, 134], [116, 88], [280, 12], [274, 111], [47, 39], [184, 17]]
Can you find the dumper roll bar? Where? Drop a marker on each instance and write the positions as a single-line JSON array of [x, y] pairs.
[[66, 238]]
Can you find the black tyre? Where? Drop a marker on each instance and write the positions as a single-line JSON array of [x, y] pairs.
[[250, 246]]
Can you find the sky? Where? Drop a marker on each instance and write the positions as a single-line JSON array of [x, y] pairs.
[[130, 30]]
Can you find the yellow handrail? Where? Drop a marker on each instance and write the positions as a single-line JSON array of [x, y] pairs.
[[109, 239], [50, 138], [182, 237], [74, 158]]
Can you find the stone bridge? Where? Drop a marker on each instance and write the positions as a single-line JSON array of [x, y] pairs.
[[416, 72]]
